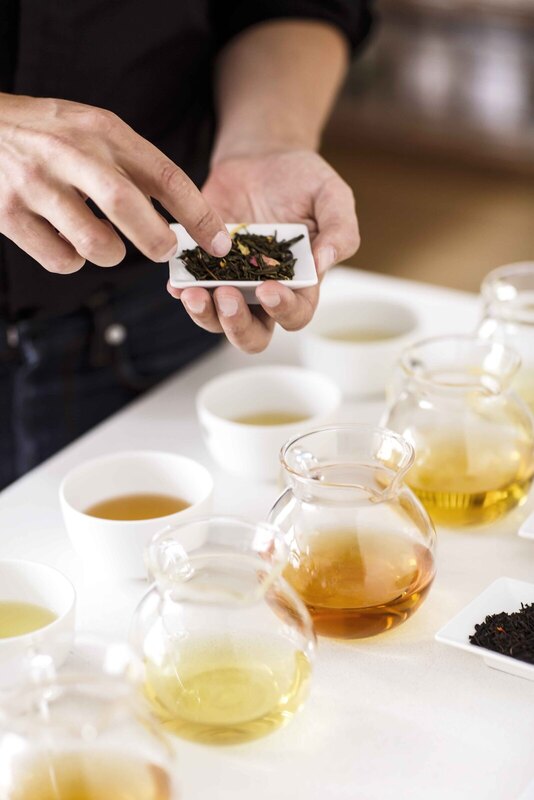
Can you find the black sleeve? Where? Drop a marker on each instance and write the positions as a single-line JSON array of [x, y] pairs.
[[351, 17]]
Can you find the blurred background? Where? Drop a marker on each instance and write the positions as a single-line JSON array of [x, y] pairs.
[[435, 133]]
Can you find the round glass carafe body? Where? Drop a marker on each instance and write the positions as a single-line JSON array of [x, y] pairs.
[[473, 436], [82, 737], [361, 546], [227, 645]]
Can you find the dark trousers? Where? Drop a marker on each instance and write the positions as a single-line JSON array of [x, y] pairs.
[[60, 377]]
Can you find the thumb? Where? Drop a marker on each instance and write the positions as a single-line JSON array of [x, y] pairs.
[[338, 236]]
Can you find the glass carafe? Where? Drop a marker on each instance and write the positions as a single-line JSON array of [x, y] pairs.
[[508, 295], [473, 436], [227, 645], [361, 545], [68, 736]]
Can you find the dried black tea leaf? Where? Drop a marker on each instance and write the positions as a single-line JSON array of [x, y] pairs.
[[253, 257], [509, 634]]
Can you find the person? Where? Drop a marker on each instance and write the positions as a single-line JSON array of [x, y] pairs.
[[111, 117]]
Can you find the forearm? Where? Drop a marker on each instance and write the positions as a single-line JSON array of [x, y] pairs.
[[275, 85]]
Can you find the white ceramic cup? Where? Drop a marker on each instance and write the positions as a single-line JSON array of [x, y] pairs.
[[252, 451], [363, 368], [113, 548], [30, 582]]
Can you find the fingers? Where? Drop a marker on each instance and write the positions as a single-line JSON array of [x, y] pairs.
[[94, 239], [246, 331], [199, 306], [78, 150], [291, 309], [38, 238], [228, 313], [335, 213], [160, 178], [125, 205]]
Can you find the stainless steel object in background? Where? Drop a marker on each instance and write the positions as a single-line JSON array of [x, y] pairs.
[[455, 76]]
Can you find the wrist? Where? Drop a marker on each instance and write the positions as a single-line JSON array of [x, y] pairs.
[[229, 146]]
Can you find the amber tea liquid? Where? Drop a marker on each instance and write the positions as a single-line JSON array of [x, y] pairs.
[[225, 691], [90, 776], [137, 506], [459, 487], [360, 583]]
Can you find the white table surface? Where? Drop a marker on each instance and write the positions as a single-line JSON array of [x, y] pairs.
[[395, 717]]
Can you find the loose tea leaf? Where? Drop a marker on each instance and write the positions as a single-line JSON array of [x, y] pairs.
[[253, 257], [510, 634]]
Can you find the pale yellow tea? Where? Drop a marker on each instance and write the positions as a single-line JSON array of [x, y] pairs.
[[137, 506], [360, 583], [271, 418], [90, 776], [224, 691], [461, 485], [16, 619], [361, 335]]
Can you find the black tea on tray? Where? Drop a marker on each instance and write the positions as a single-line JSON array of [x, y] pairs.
[[253, 257], [509, 634]]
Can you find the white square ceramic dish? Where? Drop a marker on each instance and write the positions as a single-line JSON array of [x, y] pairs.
[[527, 528], [305, 272], [504, 594]]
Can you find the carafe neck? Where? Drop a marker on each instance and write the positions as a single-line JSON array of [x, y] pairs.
[[456, 366], [232, 579], [347, 484]]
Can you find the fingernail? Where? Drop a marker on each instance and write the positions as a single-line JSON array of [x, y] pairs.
[[227, 306], [325, 259], [221, 243], [195, 306], [271, 300]]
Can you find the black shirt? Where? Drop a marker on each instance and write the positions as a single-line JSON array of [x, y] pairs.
[[149, 61]]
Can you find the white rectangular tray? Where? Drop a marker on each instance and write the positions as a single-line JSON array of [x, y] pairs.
[[504, 594], [305, 272]]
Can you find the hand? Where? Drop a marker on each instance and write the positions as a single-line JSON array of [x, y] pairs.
[[288, 186], [55, 154]]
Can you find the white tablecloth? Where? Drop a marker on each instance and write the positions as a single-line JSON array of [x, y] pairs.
[[396, 717]]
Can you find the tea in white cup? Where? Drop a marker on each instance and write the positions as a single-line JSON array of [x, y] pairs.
[[357, 341], [247, 415], [113, 506]]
